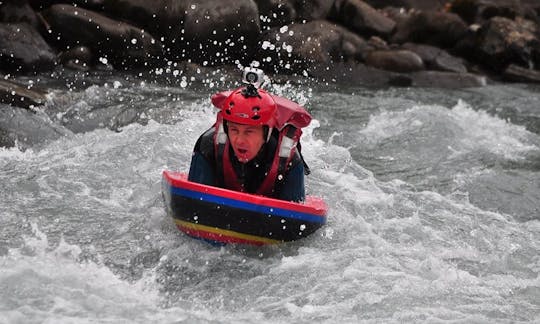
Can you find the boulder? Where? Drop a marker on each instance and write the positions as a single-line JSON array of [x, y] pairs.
[[86, 4], [439, 29], [222, 32], [449, 80], [78, 58], [120, 43], [202, 31], [358, 74], [163, 18], [18, 95], [435, 58], [362, 18], [299, 47], [520, 74], [395, 60], [276, 13], [423, 5], [16, 11], [501, 41], [22, 49], [478, 11]]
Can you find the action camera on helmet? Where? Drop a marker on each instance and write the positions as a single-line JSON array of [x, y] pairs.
[[253, 76]]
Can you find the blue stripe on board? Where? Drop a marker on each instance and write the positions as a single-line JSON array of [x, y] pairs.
[[247, 206]]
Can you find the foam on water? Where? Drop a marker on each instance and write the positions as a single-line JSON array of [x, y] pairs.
[[86, 237]]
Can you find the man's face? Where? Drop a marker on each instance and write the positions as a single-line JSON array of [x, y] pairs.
[[246, 140]]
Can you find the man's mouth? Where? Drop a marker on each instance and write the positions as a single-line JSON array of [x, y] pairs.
[[242, 151]]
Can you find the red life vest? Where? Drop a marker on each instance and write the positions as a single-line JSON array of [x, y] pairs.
[[291, 118]]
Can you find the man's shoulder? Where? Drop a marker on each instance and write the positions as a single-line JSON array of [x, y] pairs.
[[205, 144]]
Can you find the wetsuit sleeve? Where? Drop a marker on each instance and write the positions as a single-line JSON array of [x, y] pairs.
[[200, 170], [293, 186]]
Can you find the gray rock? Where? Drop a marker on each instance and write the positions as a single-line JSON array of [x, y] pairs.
[[22, 49], [431, 5], [299, 47], [17, 11], [437, 59], [357, 74], [501, 41], [520, 74], [122, 44], [15, 94], [205, 30], [278, 13], [440, 29], [220, 32], [478, 11], [362, 18], [79, 58], [395, 60]]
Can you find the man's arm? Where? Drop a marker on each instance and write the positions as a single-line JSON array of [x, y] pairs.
[[201, 171], [292, 188]]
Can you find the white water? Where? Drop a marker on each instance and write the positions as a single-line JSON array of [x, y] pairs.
[[433, 218]]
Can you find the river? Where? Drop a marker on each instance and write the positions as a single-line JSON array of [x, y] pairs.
[[433, 195]]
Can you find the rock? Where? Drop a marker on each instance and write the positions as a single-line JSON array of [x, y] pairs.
[[501, 41], [435, 58], [17, 11], [378, 43], [202, 31], [22, 49], [21, 96], [481, 10], [532, 7], [439, 29], [520, 74], [277, 13], [357, 74], [395, 60], [423, 5], [362, 18], [159, 17], [86, 4], [121, 44], [79, 58], [15, 94], [447, 80], [222, 32], [299, 47]]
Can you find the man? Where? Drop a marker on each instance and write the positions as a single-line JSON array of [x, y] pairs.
[[252, 148]]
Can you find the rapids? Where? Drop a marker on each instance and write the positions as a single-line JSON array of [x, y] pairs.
[[433, 195]]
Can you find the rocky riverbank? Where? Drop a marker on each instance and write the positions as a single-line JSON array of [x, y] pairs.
[[459, 43]]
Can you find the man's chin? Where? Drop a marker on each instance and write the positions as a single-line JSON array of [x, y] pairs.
[[242, 159]]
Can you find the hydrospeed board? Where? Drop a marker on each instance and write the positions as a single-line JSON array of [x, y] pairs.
[[224, 216]]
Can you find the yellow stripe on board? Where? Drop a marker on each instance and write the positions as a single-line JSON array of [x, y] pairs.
[[219, 231]]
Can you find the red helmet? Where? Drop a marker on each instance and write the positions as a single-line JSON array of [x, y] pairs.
[[243, 108]]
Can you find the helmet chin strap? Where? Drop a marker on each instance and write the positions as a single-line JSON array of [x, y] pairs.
[[269, 133]]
